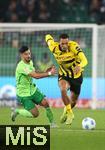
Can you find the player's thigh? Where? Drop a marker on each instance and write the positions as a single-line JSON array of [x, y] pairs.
[[75, 88], [30, 106], [27, 103], [63, 84], [38, 97]]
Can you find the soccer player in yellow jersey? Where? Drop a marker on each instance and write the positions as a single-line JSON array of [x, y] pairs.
[[71, 61]]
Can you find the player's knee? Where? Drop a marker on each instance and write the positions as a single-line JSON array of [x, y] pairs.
[[44, 103], [64, 92], [63, 85], [63, 88], [35, 114]]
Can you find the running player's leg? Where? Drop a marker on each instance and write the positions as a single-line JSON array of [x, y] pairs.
[[67, 114], [75, 90], [39, 98], [30, 110], [64, 85], [73, 98], [49, 113]]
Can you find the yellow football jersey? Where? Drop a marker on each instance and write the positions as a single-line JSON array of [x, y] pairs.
[[67, 60]]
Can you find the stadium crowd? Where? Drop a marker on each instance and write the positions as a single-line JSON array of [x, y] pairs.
[[66, 11]]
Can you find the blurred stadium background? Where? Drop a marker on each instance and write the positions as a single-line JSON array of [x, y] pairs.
[[60, 11], [26, 22]]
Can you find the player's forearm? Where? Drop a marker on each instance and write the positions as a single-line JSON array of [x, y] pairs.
[[83, 59], [48, 38], [40, 75], [50, 41]]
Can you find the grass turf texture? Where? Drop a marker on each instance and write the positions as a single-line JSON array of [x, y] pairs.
[[67, 137]]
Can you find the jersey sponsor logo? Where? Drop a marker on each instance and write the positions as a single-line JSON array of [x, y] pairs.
[[60, 58]]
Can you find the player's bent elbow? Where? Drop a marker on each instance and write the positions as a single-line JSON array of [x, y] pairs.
[[85, 64], [85, 61]]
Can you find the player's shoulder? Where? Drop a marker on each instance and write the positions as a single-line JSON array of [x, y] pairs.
[[31, 63], [56, 43], [74, 46], [20, 64], [73, 43]]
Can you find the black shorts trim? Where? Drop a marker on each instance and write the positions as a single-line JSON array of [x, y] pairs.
[[75, 83]]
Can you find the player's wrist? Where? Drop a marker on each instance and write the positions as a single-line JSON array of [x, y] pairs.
[[80, 66], [49, 73]]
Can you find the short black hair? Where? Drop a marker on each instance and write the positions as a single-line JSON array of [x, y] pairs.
[[63, 36], [23, 49]]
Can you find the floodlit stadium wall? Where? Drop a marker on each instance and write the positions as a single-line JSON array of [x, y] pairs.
[[89, 36]]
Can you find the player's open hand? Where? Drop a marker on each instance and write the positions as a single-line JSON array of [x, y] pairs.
[[52, 70], [77, 69]]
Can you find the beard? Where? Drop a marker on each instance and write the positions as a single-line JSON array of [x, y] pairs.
[[28, 60]]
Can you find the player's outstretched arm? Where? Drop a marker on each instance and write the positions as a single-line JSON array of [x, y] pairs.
[[50, 42], [50, 72]]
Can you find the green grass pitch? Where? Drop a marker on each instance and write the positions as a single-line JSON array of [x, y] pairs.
[[67, 137]]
